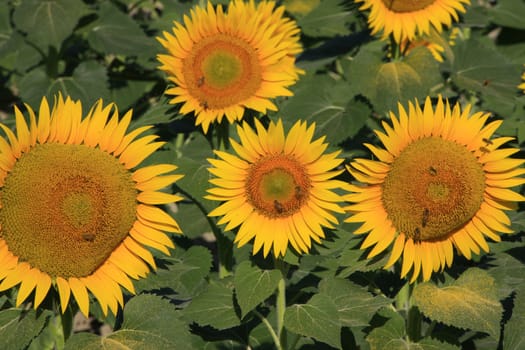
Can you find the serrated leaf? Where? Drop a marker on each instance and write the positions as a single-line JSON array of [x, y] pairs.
[[214, 307], [18, 327], [470, 302], [514, 337], [52, 335], [150, 322], [55, 20], [402, 81], [88, 83], [355, 305], [184, 273], [116, 33], [253, 285], [482, 69], [320, 99], [386, 84], [16, 53], [353, 260], [508, 272], [318, 319], [328, 19], [193, 163], [508, 13], [128, 93], [392, 336], [33, 86]]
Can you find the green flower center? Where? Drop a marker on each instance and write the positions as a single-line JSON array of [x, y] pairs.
[[222, 71], [433, 188], [65, 208], [407, 5], [277, 186]]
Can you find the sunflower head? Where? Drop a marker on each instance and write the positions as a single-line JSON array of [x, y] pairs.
[[278, 189], [76, 213], [441, 181], [406, 19], [224, 62]]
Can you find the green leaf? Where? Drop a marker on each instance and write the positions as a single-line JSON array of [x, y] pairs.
[[514, 337], [253, 285], [52, 335], [470, 302], [386, 84], [354, 259], [88, 84], [18, 327], [48, 22], [392, 336], [194, 164], [508, 13], [318, 319], [506, 269], [323, 100], [129, 92], [116, 33], [16, 53], [184, 273], [214, 307], [355, 304], [33, 86], [482, 69], [328, 19], [150, 322]]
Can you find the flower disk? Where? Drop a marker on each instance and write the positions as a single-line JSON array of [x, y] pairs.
[[441, 182], [222, 63], [406, 19], [73, 213], [279, 189]]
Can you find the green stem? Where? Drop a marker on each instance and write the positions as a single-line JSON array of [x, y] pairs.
[[223, 135], [224, 254], [395, 48], [274, 335], [281, 301], [412, 315], [224, 245]]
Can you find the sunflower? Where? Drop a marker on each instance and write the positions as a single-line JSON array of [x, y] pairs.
[[442, 181], [405, 19], [223, 62], [279, 189], [74, 215], [437, 45]]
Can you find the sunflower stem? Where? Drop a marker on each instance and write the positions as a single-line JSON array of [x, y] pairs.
[[395, 48], [412, 314], [223, 135], [270, 329], [281, 301], [224, 256]]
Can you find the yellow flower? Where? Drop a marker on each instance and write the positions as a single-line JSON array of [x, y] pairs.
[[405, 19], [433, 42], [441, 182], [222, 63], [279, 189], [74, 215]]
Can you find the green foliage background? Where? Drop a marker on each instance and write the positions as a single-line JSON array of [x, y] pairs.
[[92, 49]]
